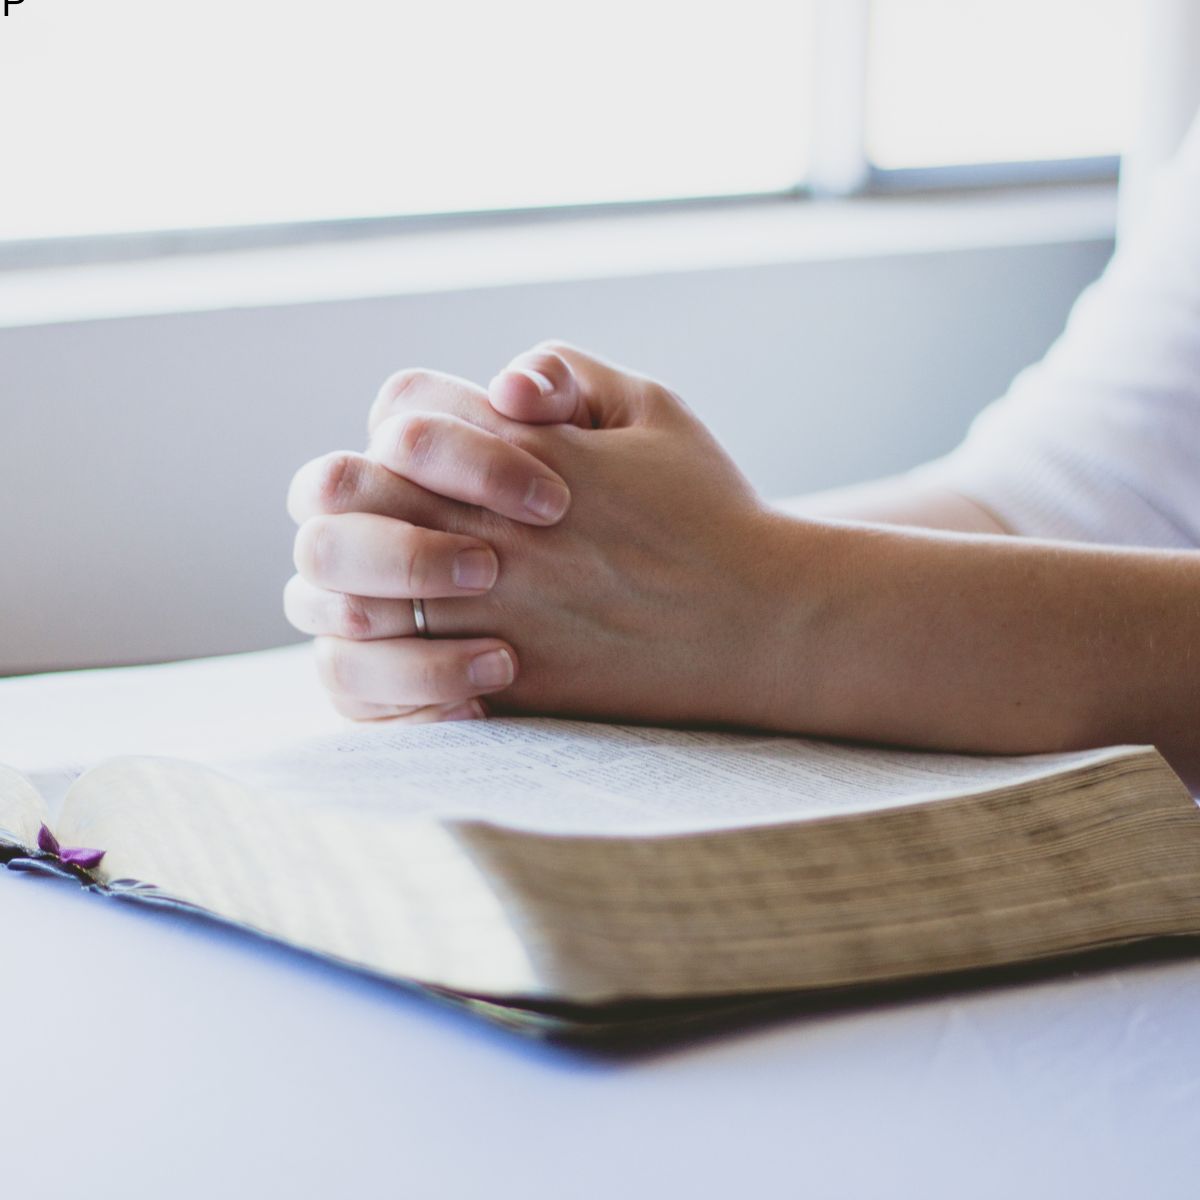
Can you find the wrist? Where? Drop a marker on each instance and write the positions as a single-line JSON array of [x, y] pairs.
[[788, 612]]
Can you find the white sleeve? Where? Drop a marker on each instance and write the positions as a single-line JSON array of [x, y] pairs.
[[1100, 441]]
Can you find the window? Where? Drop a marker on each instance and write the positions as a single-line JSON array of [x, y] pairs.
[[148, 115], [953, 82]]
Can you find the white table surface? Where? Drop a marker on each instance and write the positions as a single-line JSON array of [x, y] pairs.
[[143, 1054]]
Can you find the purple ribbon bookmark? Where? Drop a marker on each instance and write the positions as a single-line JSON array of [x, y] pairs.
[[74, 856]]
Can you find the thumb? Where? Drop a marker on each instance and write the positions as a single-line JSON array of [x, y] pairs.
[[539, 388], [556, 384]]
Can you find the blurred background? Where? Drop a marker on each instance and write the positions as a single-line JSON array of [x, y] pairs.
[[837, 227]]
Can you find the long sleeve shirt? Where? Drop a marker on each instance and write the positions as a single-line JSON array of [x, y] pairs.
[[1100, 440]]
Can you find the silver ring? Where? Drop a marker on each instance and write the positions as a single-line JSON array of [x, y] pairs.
[[419, 618]]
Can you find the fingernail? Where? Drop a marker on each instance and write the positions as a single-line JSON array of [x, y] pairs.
[[491, 670], [475, 569], [547, 499], [471, 711], [539, 381]]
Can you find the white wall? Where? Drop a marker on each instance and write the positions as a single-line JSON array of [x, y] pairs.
[[141, 504]]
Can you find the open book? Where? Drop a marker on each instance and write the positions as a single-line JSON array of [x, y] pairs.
[[525, 862]]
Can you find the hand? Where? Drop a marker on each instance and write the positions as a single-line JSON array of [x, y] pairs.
[[452, 459], [637, 605]]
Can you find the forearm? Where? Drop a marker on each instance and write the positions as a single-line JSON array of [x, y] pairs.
[[668, 594], [898, 500], [984, 644]]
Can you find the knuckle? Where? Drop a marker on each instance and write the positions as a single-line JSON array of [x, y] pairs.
[[313, 548], [504, 535], [396, 389], [403, 383], [431, 677], [412, 438], [491, 476], [400, 387], [354, 617], [339, 481], [553, 346], [303, 490], [661, 398], [294, 608], [413, 560]]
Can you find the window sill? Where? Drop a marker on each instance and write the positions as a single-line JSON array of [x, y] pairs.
[[754, 233]]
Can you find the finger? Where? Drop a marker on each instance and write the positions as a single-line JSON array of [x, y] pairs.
[[470, 710], [369, 555], [413, 390], [316, 611], [320, 612], [346, 482], [539, 388], [456, 459], [362, 710], [415, 671], [613, 396]]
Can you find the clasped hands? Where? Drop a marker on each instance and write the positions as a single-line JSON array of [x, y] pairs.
[[581, 544]]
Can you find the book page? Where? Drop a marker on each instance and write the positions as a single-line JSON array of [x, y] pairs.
[[22, 810], [243, 704], [584, 777], [348, 846], [54, 784], [399, 897]]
